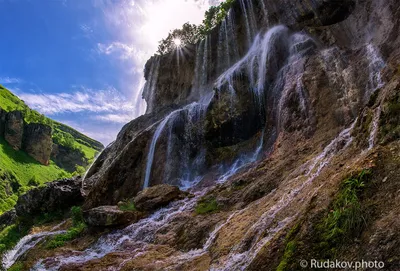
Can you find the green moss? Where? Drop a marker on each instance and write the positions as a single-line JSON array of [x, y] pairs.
[[390, 121], [345, 220], [287, 256], [72, 233], [128, 205], [290, 249], [18, 266], [76, 215], [207, 205]]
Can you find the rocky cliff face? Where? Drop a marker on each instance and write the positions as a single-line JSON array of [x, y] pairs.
[[320, 93], [67, 158], [35, 139], [286, 132], [14, 129], [37, 142]]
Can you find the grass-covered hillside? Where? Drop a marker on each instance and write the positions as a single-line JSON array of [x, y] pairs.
[[19, 171], [10, 102]]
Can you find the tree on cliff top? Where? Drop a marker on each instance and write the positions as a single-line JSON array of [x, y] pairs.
[[190, 33]]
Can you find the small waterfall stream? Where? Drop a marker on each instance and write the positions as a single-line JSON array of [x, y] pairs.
[[25, 244]]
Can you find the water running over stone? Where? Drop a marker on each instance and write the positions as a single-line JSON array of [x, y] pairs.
[[25, 244]]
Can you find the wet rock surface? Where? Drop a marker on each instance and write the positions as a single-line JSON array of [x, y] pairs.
[[158, 196], [108, 216]]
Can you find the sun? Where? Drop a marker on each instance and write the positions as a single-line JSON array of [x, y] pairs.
[[178, 42]]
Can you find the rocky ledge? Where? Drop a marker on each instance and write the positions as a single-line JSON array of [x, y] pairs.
[[54, 196]]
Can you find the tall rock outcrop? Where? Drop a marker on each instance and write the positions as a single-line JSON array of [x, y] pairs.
[[14, 129], [2, 121], [37, 142]]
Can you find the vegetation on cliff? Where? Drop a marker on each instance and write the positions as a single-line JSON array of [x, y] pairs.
[[191, 33]]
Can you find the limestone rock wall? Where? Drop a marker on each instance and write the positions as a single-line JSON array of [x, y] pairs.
[[37, 142], [35, 139]]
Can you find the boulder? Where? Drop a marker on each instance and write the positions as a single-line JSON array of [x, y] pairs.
[[14, 129], [37, 142], [157, 196], [55, 196], [106, 216], [7, 219]]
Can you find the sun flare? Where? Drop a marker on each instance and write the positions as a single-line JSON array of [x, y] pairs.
[[177, 42]]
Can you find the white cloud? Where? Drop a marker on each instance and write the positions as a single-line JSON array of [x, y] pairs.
[[117, 118], [123, 51], [108, 100], [9, 80]]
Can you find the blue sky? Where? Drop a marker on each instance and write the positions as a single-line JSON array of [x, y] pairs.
[[81, 61]]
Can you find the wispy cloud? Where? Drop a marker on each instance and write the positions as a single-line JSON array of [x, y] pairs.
[[107, 100], [9, 80], [122, 51], [116, 118]]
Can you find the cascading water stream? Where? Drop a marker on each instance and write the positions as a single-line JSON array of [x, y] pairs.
[[374, 128], [140, 232], [239, 259], [150, 156], [25, 244], [250, 23], [150, 85], [376, 64]]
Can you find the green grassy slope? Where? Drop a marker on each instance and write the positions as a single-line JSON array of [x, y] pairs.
[[22, 169], [10, 102], [18, 171]]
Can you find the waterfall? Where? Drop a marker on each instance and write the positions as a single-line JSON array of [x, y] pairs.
[[374, 127], [25, 244], [242, 161], [150, 156], [375, 66], [250, 22], [191, 116], [151, 84], [259, 60], [227, 49], [264, 230]]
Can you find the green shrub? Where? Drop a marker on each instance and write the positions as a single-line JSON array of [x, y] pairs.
[[33, 181], [18, 266], [208, 205], [128, 205], [345, 219], [76, 215]]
